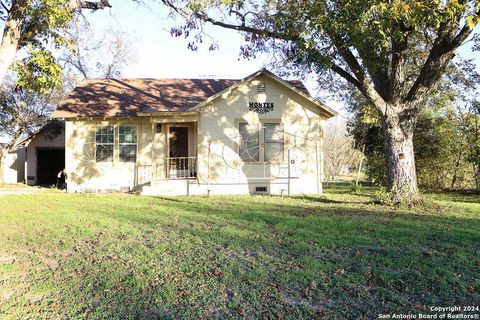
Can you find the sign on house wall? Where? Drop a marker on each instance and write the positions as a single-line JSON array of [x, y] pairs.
[[261, 107]]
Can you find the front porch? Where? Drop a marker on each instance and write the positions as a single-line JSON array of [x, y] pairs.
[[171, 168], [173, 152]]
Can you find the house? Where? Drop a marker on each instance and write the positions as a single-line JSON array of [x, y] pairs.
[[261, 134]]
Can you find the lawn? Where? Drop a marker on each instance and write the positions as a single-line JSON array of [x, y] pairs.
[[336, 256]]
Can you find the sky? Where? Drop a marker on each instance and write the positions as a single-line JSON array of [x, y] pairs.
[[159, 55]]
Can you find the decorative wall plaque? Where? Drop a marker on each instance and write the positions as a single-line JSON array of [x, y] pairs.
[[260, 107]]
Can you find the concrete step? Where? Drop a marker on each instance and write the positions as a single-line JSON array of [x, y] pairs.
[[171, 187]]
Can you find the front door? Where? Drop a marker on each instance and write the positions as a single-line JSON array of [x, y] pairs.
[[178, 137], [178, 163]]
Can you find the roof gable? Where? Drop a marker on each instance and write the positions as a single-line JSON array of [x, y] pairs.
[[295, 86]]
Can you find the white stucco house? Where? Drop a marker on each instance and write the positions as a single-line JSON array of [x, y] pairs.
[[261, 134]]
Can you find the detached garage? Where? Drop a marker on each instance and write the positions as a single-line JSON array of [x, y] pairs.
[[50, 161], [45, 154]]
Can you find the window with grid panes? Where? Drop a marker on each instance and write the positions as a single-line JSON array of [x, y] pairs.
[[104, 137], [127, 143]]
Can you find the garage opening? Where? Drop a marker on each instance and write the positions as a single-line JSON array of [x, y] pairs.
[[49, 163]]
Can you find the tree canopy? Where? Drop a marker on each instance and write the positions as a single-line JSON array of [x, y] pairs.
[[35, 27], [393, 52]]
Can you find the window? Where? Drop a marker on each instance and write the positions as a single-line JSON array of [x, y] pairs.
[[249, 147], [127, 143], [273, 141], [104, 144], [263, 145]]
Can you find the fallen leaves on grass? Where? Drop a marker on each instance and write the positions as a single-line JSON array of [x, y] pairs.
[[217, 273], [184, 293]]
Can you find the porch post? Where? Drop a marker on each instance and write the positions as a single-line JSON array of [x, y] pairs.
[[289, 175], [317, 167], [208, 164]]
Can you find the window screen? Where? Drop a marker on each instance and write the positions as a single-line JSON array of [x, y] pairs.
[[273, 141]]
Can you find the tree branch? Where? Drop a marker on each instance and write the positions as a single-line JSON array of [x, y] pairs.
[[347, 76], [5, 7], [441, 53], [79, 4], [204, 17], [35, 26], [366, 85]]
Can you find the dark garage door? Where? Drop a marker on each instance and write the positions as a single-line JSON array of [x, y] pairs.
[[49, 163]]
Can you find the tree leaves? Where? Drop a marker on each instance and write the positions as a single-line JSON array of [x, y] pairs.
[[39, 29], [38, 72]]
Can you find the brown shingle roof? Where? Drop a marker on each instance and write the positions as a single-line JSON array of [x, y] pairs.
[[127, 97]]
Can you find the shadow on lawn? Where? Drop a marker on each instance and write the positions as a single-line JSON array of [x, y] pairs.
[[324, 199], [271, 235], [467, 198], [314, 217], [320, 199]]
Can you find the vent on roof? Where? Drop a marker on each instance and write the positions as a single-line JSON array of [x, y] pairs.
[[261, 87]]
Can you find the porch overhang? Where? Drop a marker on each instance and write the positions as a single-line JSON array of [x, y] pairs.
[[167, 113], [169, 117]]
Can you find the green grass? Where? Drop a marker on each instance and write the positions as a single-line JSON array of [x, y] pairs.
[[334, 256], [12, 185]]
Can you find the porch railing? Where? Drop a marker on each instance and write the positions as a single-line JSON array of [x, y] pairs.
[[176, 168], [181, 167]]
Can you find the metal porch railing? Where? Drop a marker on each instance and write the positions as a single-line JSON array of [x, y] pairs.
[[181, 167]]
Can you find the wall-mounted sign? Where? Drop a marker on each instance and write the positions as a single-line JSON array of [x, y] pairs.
[[402, 157], [260, 107]]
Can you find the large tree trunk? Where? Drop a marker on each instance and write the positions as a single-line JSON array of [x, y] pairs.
[[399, 153], [12, 35], [8, 51]]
